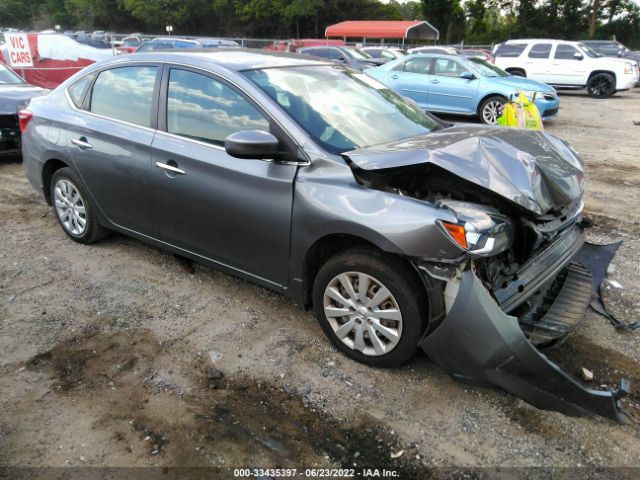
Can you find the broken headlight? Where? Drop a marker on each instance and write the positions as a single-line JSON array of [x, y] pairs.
[[481, 231]]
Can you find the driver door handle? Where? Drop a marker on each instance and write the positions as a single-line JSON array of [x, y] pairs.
[[435, 80], [170, 168], [82, 143], [394, 76]]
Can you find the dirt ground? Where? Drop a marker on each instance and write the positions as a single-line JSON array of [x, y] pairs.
[[111, 355]]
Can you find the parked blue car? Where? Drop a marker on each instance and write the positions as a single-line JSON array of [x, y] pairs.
[[459, 85]]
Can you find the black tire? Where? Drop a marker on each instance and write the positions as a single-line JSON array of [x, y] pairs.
[[516, 72], [601, 85], [399, 279], [486, 103], [93, 231]]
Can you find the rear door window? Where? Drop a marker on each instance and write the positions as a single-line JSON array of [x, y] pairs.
[[417, 65], [125, 93], [318, 52], [510, 49], [335, 54], [204, 109], [540, 50]]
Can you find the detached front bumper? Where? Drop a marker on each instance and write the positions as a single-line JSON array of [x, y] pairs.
[[478, 343]]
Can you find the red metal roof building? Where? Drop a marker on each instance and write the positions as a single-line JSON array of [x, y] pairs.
[[412, 29]]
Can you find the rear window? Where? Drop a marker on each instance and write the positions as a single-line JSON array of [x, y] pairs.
[[510, 49]]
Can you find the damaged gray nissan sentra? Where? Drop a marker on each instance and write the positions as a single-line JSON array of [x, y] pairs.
[[401, 231]]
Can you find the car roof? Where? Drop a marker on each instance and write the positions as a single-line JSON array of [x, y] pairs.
[[238, 59], [547, 40]]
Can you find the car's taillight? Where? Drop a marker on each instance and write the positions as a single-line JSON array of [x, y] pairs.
[[24, 116]]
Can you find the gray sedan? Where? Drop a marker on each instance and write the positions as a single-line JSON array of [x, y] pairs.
[[310, 178]]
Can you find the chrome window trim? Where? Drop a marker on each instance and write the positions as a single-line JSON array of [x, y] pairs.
[[161, 63]]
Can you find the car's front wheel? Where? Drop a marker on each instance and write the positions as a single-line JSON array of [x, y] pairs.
[[491, 109], [371, 306], [73, 208], [601, 85]]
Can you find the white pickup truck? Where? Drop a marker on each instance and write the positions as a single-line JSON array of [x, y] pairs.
[[565, 64]]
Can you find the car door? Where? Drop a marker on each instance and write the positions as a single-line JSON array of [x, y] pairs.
[[537, 61], [235, 212], [411, 78], [109, 139], [568, 67], [448, 92]]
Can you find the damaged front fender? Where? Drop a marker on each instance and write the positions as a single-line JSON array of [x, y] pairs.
[[478, 343]]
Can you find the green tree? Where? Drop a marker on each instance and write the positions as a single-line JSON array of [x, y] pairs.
[[447, 16]]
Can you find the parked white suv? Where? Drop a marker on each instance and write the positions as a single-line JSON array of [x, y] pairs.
[[566, 64]]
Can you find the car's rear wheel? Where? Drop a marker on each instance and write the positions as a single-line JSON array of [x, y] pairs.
[[491, 109], [371, 306], [601, 85], [73, 208]]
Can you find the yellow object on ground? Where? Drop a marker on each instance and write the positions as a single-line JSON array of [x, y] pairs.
[[521, 113]]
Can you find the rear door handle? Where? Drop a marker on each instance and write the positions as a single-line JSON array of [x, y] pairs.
[[435, 81], [170, 168], [394, 76], [81, 143]]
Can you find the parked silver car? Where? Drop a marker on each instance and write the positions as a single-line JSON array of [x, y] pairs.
[[319, 182]]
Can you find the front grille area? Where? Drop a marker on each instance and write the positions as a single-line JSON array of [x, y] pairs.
[[564, 308], [548, 113], [540, 269]]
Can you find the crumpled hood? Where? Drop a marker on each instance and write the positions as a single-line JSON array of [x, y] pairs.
[[15, 97], [532, 169]]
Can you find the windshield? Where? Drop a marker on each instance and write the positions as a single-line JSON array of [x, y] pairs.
[[131, 42], [342, 109], [7, 77], [487, 69], [357, 53], [589, 51]]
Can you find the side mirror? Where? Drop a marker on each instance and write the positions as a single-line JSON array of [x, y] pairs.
[[254, 144], [578, 56], [468, 75]]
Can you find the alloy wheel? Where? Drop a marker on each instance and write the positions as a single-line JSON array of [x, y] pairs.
[[601, 86], [363, 313], [70, 207], [491, 112]]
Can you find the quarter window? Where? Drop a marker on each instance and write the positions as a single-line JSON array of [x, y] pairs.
[[125, 93], [540, 50], [78, 89], [205, 109], [565, 52]]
